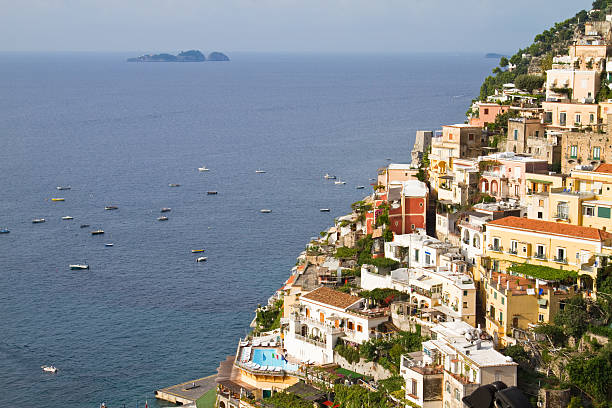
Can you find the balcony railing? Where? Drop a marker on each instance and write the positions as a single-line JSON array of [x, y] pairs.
[[560, 260], [539, 256], [561, 216], [513, 252], [311, 341]]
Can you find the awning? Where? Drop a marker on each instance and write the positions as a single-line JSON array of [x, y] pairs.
[[540, 181], [542, 302]]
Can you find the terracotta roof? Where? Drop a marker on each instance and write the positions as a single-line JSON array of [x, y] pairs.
[[331, 297], [549, 227], [604, 168]]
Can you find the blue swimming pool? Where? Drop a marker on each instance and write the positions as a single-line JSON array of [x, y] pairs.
[[268, 357]]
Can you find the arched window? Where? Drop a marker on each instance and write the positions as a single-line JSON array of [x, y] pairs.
[[457, 394], [447, 387], [476, 241]]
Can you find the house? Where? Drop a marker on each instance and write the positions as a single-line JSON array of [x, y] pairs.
[[418, 249], [325, 315], [396, 172], [484, 113], [564, 85], [435, 294], [584, 149], [566, 115], [529, 136], [560, 247], [408, 203], [458, 359]]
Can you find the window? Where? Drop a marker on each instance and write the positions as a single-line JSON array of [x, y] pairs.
[[495, 295], [501, 317], [465, 305], [560, 255], [588, 211], [573, 151], [496, 244], [578, 118], [537, 133], [591, 118], [548, 117], [498, 376], [540, 317], [540, 216], [503, 299], [540, 251], [471, 136], [562, 118], [513, 247], [457, 394], [562, 210], [359, 328], [465, 293], [486, 111], [596, 153], [515, 134], [414, 387], [416, 255], [603, 212], [447, 387], [321, 317]]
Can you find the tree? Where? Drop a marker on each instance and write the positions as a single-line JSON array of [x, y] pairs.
[[574, 317], [503, 62], [529, 82]]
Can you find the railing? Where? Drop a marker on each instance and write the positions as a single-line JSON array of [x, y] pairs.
[[561, 216], [560, 260], [513, 252], [317, 343], [539, 256], [496, 249]]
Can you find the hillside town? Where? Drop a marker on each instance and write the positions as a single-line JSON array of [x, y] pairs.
[[483, 258]]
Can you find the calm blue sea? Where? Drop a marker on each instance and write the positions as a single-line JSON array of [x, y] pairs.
[[146, 315]]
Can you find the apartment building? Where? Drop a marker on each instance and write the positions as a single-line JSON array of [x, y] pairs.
[[504, 174], [584, 149], [408, 203]]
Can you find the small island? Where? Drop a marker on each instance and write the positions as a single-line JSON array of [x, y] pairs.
[[183, 56]]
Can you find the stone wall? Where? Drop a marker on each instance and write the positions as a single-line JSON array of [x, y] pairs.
[[554, 398], [370, 369]]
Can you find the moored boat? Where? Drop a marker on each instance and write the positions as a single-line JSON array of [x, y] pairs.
[[111, 207], [84, 225], [66, 218], [79, 266], [259, 171], [174, 185], [212, 192], [201, 259], [360, 187], [57, 199], [4, 231], [265, 211], [166, 209], [339, 182], [49, 369], [110, 244], [97, 232], [203, 168], [38, 220], [194, 251], [329, 177], [324, 209], [63, 187], [162, 218]]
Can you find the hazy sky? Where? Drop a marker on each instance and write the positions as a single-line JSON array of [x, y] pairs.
[[278, 25]]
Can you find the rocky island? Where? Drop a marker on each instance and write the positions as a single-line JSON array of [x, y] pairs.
[[183, 56]]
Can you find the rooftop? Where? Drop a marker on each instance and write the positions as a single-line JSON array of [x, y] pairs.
[[400, 166], [332, 297], [549, 227], [604, 168]]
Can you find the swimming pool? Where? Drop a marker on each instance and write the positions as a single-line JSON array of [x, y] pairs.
[[268, 357]]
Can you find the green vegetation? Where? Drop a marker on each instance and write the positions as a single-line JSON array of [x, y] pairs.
[[383, 296], [384, 263], [501, 124], [529, 82], [388, 352], [350, 354], [208, 399], [345, 253], [355, 396], [544, 272], [287, 400], [593, 373], [269, 318], [388, 235]]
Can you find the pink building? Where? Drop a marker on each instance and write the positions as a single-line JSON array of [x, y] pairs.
[[487, 112], [504, 174]]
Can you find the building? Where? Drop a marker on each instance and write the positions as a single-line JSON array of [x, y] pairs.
[[418, 250], [584, 85], [435, 294], [323, 316], [396, 172], [408, 203], [529, 136], [584, 149], [484, 113], [422, 144], [458, 359], [504, 174], [513, 241]]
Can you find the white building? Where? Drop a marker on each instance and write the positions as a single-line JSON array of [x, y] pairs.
[[456, 361], [324, 315]]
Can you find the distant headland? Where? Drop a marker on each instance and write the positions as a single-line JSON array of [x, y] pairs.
[[183, 56], [494, 55]]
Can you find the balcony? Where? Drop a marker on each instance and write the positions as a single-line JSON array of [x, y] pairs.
[[560, 260], [541, 257], [315, 342], [496, 248], [561, 216], [513, 251]]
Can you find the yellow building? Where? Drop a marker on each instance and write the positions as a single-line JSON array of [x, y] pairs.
[[561, 247]]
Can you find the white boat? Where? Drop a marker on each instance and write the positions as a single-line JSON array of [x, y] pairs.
[[260, 171], [360, 187], [110, 244], [79, 266], [201, 259], [97, 232], [38, 220], [111, 207], [49, 369], [203, 168], [174, 185], [57, 199], [166, 209], [63, 187], [67, 218], [265, 211], [329, 177], [162, 218], [324, 210], [195, 251], [339, 182]]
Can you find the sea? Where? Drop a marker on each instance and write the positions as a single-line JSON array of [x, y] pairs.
[[146, 315]]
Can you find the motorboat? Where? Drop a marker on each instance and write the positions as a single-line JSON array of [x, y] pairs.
[[195, 251], [66, 218], [260, 171], [84, 225], [111, 207], [57, 199], [79, 266], [329, 177], [324, 210], [174, 185], [201, 259], [166, 209], [211, 192], [203, 168], [110, 244], [49, 369], [38, 220], [97, 232], [162, 218], [63, 188], [339, 182], [4, 231], [360, 187], [265, 211]]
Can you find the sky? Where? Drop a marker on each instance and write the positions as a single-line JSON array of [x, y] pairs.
[[385, 26]]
